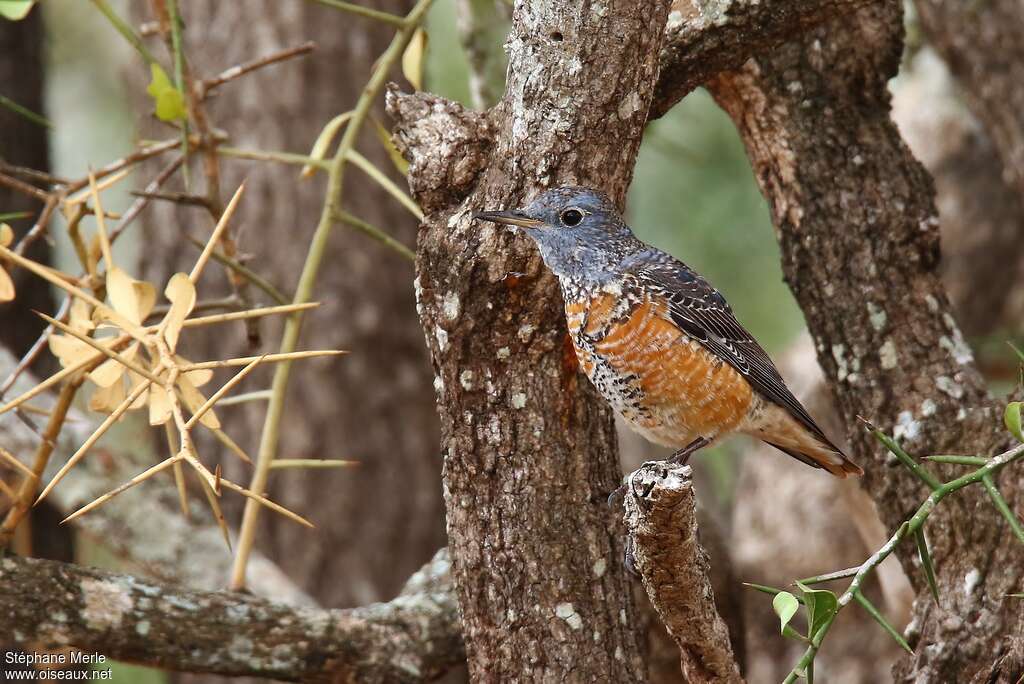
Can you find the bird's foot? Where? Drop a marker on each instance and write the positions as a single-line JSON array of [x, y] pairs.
[[682, 456]]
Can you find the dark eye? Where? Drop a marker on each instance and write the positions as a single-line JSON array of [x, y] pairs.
[[571, 217]]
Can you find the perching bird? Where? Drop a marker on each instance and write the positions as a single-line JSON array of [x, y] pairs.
[[658, 341]]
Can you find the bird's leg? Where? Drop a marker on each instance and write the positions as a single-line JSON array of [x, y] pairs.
[[683, 455]]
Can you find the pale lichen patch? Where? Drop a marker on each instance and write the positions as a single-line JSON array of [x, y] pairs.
[[567, 612], [839, 354], [887, 355], [949, 386], [877, 316], [971, 581], [928, 407], [600, 565], [906, 427], [105, 603], [451, 306], [518, 400], [466, 380]]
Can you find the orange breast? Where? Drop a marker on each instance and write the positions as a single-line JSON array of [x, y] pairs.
[[667, 385]]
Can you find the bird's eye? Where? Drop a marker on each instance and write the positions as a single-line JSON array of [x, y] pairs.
[[571, 217]]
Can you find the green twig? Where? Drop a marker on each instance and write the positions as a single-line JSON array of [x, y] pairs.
[[377, 234], [880, 619], [25, 112], [1003, 507], [179, 76], [307, 280], [125, 30], [922, 473], [244, 271], [367, 12], [382, 180], [911, 526]]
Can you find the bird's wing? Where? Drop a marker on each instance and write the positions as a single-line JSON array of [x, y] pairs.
[[702, 312]]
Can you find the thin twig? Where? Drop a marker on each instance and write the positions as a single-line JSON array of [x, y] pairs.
[[377, 234], [234, 72]]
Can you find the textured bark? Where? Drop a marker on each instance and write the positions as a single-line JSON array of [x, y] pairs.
[[983, 47], [703, 39], [143, 526], [413, 638], [379, 522], [23, 143], [529, 449], [859, 234], [661, 517]]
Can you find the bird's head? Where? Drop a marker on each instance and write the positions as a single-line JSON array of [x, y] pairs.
[[578, 230]]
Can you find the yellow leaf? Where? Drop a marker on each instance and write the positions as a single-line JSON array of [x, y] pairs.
[[112, 370], [182, 294], [69, 350], [106, 399], [412, 59], [197, 377], [194, 399], [159, 405], [131, 298], [80, 317], [6, 234], [140, 400], [6, 286]]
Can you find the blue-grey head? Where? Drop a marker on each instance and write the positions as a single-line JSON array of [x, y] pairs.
[[578, 231]]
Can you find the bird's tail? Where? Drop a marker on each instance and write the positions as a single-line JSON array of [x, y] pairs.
[[820, 456]]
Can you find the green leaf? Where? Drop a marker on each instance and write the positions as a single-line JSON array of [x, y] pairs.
[[15, 10], [169, 101], [1012, 419], [785, 606], [926, 562], [822, 605], [873, 612]]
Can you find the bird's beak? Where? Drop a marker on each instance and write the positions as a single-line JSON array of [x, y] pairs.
[[508, 218]]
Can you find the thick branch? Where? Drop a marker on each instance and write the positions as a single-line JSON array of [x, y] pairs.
[[662, 520], [703, 39], [413, 638], [859, 233]]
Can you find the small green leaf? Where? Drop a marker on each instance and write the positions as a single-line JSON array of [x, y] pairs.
[[15, 10], [926, 562], [169, 101], [785, 606], [1012, 419], [873, 612], [822, 605]]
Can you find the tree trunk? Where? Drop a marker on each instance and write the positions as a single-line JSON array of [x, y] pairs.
[[23, 143], [859, 233], [529, 450], [379, 522]]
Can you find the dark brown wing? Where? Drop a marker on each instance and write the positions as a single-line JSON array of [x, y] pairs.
[[702, 312]]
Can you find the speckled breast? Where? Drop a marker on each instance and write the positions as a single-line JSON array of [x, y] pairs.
[[667, 385]]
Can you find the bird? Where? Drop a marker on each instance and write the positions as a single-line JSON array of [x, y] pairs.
[[658, 341]]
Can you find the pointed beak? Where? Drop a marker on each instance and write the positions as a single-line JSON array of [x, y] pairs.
[[508, 218]]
